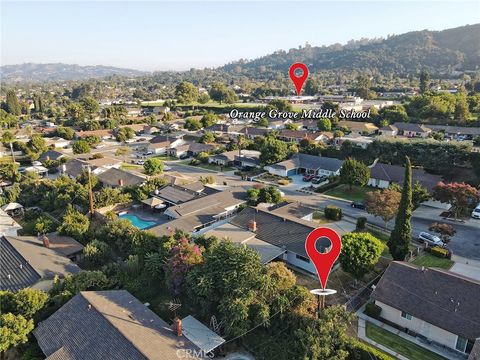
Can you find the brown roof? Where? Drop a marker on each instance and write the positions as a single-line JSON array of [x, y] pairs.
[[100, 133], [105, 161], [439, 297], [65, 245], [358, 126]]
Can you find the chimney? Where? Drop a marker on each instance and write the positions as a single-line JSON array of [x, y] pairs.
[[46, 241], [120, 182], [177, 326], [252, 226]]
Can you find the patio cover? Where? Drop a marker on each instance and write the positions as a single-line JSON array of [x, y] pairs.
[[200, 335], [152, 202]]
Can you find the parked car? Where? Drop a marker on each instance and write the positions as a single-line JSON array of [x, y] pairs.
[[430, 239], [308, 177], [148, 153], [358, 205], [476, 212], [140, 162], [184, 156], [166, 168], [319, 179]]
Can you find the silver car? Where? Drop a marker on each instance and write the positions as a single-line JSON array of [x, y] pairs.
[[430, 239]]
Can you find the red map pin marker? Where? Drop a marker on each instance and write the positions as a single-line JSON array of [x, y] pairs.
[[323, 261], [298, 80]]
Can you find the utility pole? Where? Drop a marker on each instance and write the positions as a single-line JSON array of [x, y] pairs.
[[11, 150], [90, 192]]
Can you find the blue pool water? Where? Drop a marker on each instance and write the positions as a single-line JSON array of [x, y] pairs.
[[136, 221]]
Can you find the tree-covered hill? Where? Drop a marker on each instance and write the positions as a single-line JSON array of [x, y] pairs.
[[437, 51]]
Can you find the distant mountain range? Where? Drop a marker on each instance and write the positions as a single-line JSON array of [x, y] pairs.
[[60, 72], [440, 52], [436, 51]]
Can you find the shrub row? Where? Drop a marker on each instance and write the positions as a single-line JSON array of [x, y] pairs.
[[361, 351], [326, 187], [440, 252]]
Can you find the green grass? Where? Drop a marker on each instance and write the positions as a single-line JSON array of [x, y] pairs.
[[399, 344], [433, 261], [165, 157], [357, 193], [215, 167], [126, 166]]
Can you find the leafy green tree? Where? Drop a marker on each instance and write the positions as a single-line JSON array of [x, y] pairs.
[[362, 87], [71, 285], [186, 92], [26, 302], [97, 253], [75, 111], [202, 157], [311, 87], [124, 134], [9, 171], [81, 147], [273, 151], [192, 124], [392, 114], [324, 125], [119, 234], [44, 225], [93, 140], [90, 106], [280, 105], [402, 232], [253, 195], [153, 166], [269, 194], [74, 224], [420, 193], [64, 132], [209, 119], [37, 144], [461, 112], [291, 126], [354, 172], [7, 120], [208, 138], [424, 81], [263, 122], [110, 196], [14, 330], [12, 106], [221, 93], [203, 98], [7, 138], [360, 253]]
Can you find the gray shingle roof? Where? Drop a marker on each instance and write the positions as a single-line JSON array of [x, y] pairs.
[[113, 176], [402, 126], [12, 263], [50, 155], [439, 297], [395, 173], [98, 325], [176, 195]]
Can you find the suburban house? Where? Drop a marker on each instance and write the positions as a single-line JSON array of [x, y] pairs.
[[286, 233], [252, 132], [65, 245], [201, 212], [160, 143], [357, 140], [456, 132], [435, 305], [57, 142], [174, 195], [309, 125], [412, 130], [382, 175], [105, 162], [75, 167], [113, 324], [155, 110], [159, 148], [242, 158], [114, 177], [225, 129], [51, 155], [28, 261], [103, 134], [358, 128], [297, 136], [388, 130], [305, 163], [137, 128]]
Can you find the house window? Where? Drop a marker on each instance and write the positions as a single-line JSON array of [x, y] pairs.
[[406, 315], [303, 258], [461, 344]]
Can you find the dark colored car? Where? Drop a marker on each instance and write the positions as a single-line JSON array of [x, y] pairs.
[[308, 177], [358, 205], [319, 179]]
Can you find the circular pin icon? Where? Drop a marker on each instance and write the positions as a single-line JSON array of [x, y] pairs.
[[298, 81], [323, 261]]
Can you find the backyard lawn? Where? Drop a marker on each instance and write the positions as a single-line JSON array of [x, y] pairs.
[[433, 261], [357, 193], [126, 166], [165, 157], [399, 344]]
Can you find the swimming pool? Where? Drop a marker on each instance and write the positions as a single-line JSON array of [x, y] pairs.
[[136, 221]]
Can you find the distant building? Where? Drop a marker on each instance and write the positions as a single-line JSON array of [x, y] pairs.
[[305, 163], [358, 128], [412, 130], [245, 158], [114, 177]]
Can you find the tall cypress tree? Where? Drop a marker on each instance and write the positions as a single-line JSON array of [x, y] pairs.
[[12, 105], [402, 233]]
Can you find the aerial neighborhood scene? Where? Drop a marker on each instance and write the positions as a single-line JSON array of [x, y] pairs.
[[224, 180]]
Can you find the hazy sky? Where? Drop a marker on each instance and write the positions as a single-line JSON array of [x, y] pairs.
[[159, 35]]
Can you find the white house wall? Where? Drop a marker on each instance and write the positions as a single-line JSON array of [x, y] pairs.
[[382, 184], [421, 327]]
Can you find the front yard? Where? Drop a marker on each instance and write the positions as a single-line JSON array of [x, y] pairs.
[[399, 344], [356, 193], [429, 260]]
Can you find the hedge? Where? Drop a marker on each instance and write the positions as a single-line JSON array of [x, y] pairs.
[[439, 252], [326, 187], [361, 222], [333, 212], [358, 350]]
